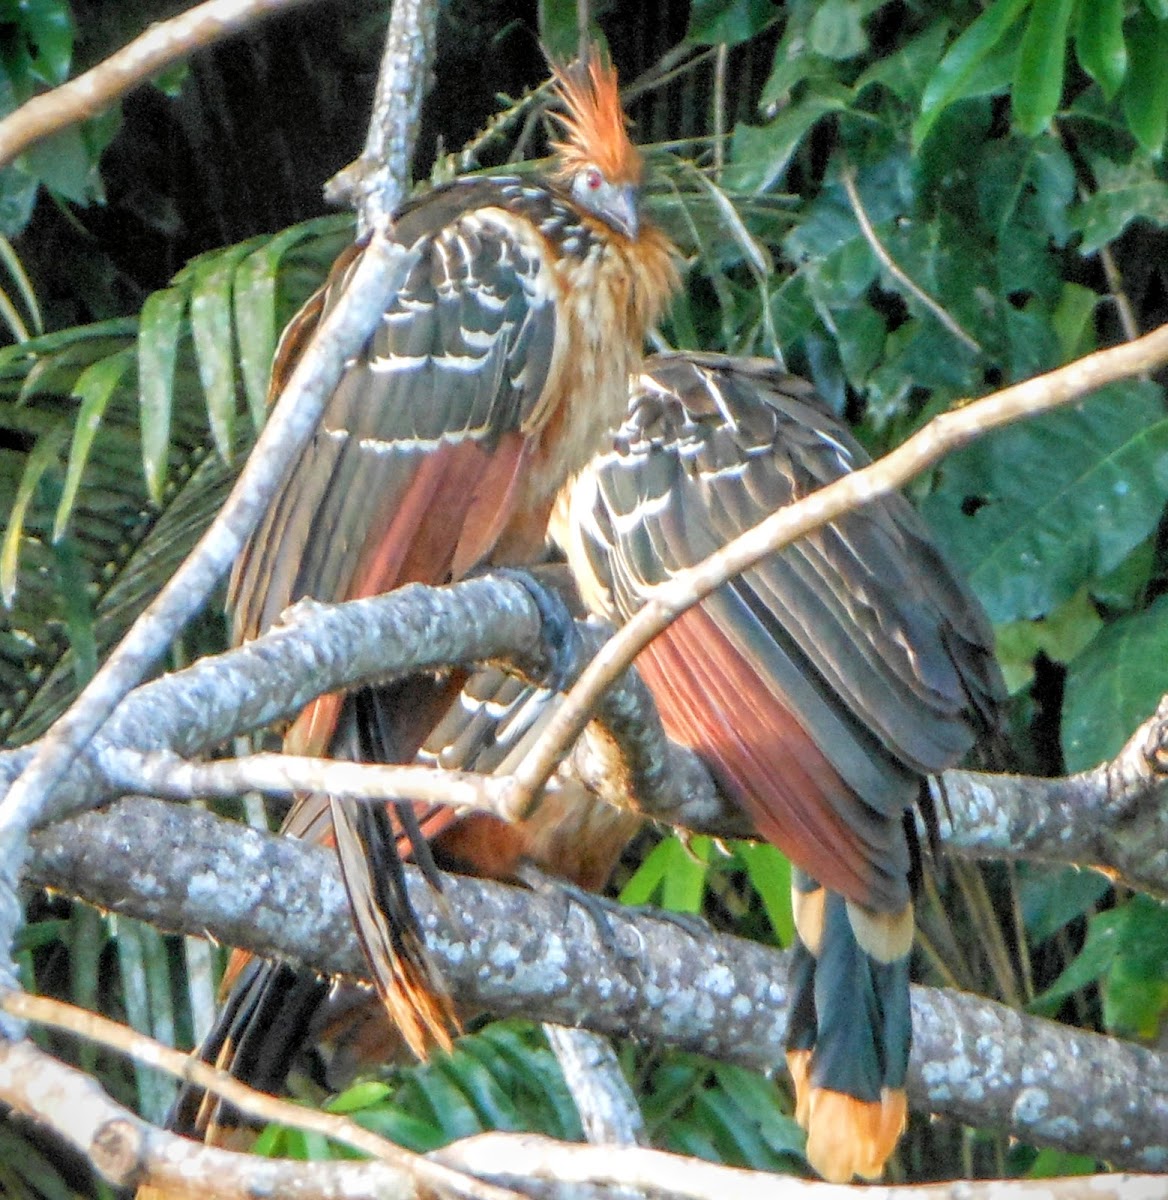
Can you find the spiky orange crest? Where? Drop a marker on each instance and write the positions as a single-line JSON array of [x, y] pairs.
[[594, 122]]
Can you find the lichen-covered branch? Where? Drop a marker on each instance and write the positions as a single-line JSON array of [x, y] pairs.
[[1113, 816], [521, 953], [377, 182]]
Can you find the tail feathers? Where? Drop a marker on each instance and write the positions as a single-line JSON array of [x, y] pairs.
[[849, 1032], [257, 1037], [407, 979]]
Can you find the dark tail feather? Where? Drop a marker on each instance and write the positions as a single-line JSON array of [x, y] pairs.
[[408, 982], [850, 1030], [260, 1031]]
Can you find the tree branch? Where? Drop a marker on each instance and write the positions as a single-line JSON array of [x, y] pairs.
[[378, 275], [519, 953], [163, 43], [1111, 816], [377, 182], [421, 1173], [129, 1152]]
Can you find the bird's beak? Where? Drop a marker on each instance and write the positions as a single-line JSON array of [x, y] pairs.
[[622, 210]]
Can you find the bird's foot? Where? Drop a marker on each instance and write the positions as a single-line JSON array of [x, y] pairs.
[[563, 649]]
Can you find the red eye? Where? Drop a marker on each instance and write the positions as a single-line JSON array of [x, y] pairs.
[[593, 179]]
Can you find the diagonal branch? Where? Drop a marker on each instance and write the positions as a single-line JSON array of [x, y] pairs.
[[943, 434], [57, 1015], [381, 271], [163, 43]]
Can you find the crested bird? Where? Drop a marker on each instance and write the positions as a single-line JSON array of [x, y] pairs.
[[489, 381], [491, 378]]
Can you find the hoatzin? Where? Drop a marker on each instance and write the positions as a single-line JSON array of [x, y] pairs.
[[496, 372], [492, 378], [820, 687]]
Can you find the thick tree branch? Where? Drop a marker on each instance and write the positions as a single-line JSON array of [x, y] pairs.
[[1111, 816], [515, 952], [163, 43]]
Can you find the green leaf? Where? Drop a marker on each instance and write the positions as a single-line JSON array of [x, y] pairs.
[[1050, 1164], [953, 75], [731, 21], [558, 30], [158, 337], [64, 164], [46, 455], [1060, 636], [1145, 91], [1074, 321], [1158, 8], [212, 332], [837, 30], [906, 72], [674, 872], [1124, 194], [1114, 685], [1126, 951], [1099, 44], [48, 26], [361, 1095], [94, 387], [1051, 898], [1020, 510], [1038, 82], [757, 1096], [759, 155], [769, 872]]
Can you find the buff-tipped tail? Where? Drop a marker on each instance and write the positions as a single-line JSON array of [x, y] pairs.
[[849, 1032]]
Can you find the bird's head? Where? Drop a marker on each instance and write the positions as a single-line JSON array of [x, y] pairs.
[[596, 161]]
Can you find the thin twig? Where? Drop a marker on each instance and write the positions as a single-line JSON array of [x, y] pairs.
[[172, 777], [1123, 306], [896, 271], [939, 437], [720, 60], [163, 43]]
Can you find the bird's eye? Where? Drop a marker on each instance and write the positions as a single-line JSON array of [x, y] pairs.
[[593, 179]]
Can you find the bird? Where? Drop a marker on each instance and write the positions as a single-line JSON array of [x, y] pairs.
[[821, 687], [489, 381], [494, 373]]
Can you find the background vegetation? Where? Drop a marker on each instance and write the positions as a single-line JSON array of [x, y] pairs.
[[913, 202]]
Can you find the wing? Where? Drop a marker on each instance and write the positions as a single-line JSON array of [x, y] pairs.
[[412, 475], [822, 683]]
